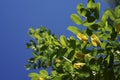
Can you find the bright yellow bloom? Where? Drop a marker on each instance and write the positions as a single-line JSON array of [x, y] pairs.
[[82, 37], [95, 40], [78, 65]]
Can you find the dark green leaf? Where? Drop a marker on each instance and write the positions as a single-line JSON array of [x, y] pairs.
[[97, 10], [89, 32], [95, 26]]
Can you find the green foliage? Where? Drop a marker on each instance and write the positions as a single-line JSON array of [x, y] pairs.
[[93, 56]]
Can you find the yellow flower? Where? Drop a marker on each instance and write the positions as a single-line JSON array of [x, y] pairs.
[[82, 37], [78, 65], [57, 60], [95, 40]]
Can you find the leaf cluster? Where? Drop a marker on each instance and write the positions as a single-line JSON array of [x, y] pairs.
[[93, 56]]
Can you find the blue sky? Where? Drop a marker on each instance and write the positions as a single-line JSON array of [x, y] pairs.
[[16, 16]]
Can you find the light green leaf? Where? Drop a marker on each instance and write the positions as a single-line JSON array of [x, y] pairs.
[[63, 40], [108, 59], [108, 13], [31, 31], [76, 19], [107, 27], [87, 24], [33, 75], [57, 42], [117, 11], [91, 4], [73, 29], [103, 44], [43, 73], [80, 6], [67, 66], [54, 73], [81, 10]]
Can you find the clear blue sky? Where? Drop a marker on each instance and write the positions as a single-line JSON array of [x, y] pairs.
[[16, 16]]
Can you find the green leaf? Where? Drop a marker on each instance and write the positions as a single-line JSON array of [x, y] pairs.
[[103, 44], [73, 29], [63, 40], [54, 73], [95, 26], [89, 32], [108, 59], [84, 74], [107, 27], [87, 23], [91, 4], [81, 10], [31, 31], [117, 11], [76, 19], [67, 66], [91, 19], [57, 78], [79, 6], [108, 13], [34, 79], [97, 10], [33, 75], [56, 42], [43, 73], [94, 51], [37, 36], [71, 55]]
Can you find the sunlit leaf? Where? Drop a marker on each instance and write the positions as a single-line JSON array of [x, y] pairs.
[[34, 75], [91, 4], [106, 15], [43, 73], [63, 40], [73, 29], [76, 19], [117, 11], [88, 24], [54, 73]]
